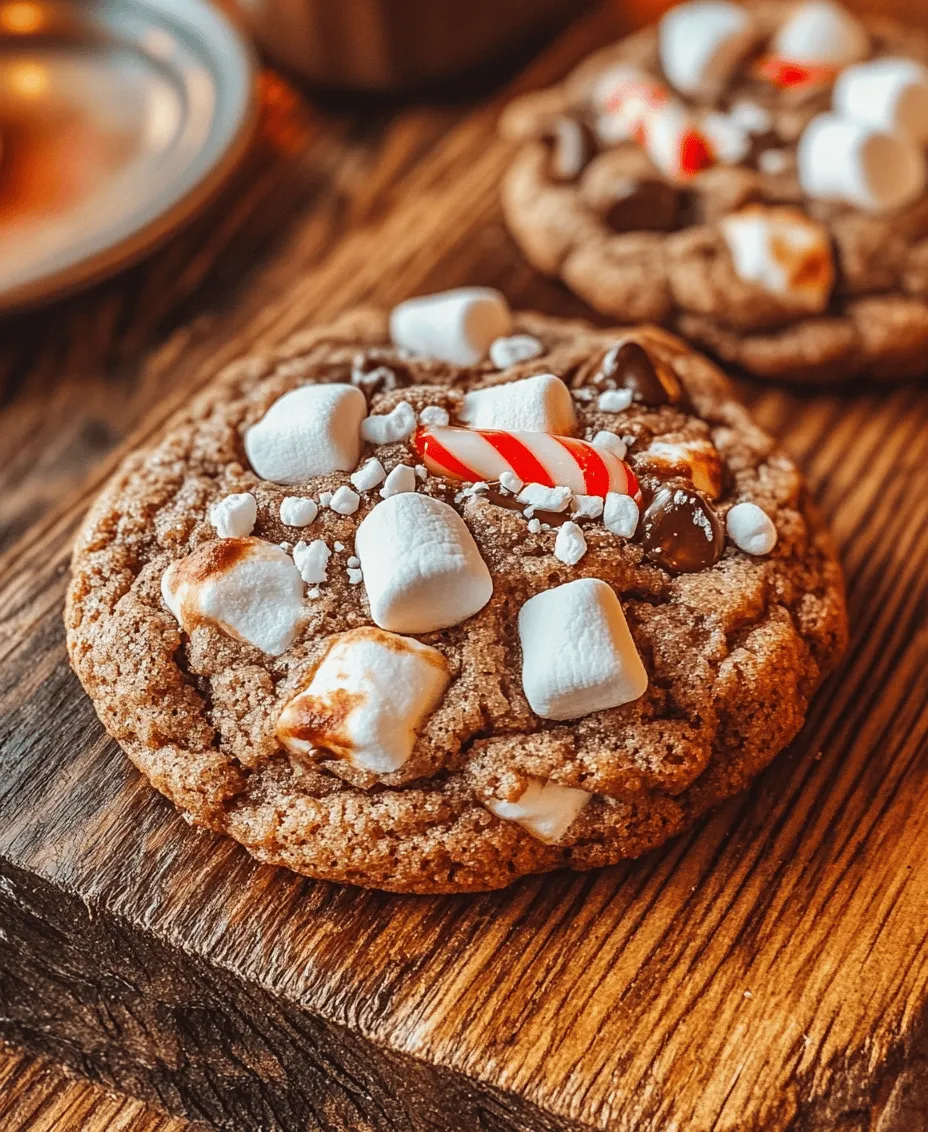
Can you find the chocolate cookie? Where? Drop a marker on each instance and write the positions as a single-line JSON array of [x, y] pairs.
[[754, 177], [496, 596]]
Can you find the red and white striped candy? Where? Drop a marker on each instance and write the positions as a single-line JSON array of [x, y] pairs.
[[535, 457]]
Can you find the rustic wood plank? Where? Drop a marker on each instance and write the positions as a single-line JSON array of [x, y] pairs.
[[768, 970]]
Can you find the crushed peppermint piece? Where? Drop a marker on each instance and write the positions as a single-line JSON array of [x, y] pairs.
[[534, 525], [325, 498], [434, 415], [587, 506], [614, 400], [353, 562], [354, 576], [298, 511], [609, 442], [338, 546], [541, 498], [369, 475], [620, 514], [751, 529], [312, 560], [584, 393], [422, 472], [511, 482], [570, 545], [345, 501], [773, 162], [390, 428], [506, 352], [235, 516], [401, 479], [314, 593]]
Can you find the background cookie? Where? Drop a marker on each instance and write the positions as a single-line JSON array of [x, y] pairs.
[[755, 177], [375, 672]]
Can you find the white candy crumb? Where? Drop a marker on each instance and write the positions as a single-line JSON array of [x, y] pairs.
[[511, 482], [584, 393], [325, 498], [534, 525], [312, 560], [434, 415], [506, 352], [614, 400], [620, 514], [609, 442], [587, 506], [314, 593], [541, 498], [235, 516], [570, 545], [353, 562], [751, 116], [338, 546], [751, 529], [369, 475], [401, 479], [286, 547], [391, 428], [422, 472], [345, 501], [354, 576], [773, 161], [298, 511]]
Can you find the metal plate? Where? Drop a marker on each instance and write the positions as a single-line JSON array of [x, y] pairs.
[[118, 118]]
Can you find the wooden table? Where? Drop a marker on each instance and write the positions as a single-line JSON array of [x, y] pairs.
[[768, 970]]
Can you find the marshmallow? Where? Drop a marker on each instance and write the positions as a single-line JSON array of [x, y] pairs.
[[611, 443], [390, 428], [541, 498], [838, 159], [506, 352], [249, 588], [534, 404], [366, 699], [434, 415], [422, 568], [578, 655], [888, 93], [401, 478], [369, 475], [820, 33], [235, 516], [570, 544], [783, 252], [620, 515], [454, 326], [298, 511], [697, 459], [614, 400], [701, 44], [751, 529], [546, 809], [311, 431], [344, 501], [312, 560]]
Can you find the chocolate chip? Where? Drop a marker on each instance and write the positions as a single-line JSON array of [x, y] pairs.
[[572, 145], [644, 206], [680, 531], [630, 367]]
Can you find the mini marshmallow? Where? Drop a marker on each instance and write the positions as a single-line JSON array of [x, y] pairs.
[[390, 428], [889, 94], [369, 475], [701, 44], [542, 498], [570, 544], [248, 588], [511, 482], [546, 809], [614, 400], [454, 326], [821, 33], [609, 442], [298, 511], [401, 478], [312, 560], [506, 352], [311, 431], [235, 516], [345, 501], [422, 568], [839, 159], [366, 699], [534, 404], [434, 415], [783, 253], [587, 506], [578, 655], [751, 529], [620, 515]]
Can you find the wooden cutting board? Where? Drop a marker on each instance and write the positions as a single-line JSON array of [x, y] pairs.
[[768, 970]]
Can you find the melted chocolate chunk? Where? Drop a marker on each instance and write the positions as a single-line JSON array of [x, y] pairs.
[[631, 367], [644, 206], [680, 531], [572, 146]]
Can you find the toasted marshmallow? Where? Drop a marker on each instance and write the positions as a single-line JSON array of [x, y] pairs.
[[311, 431], [235, 515], [578, 655], [822, 34], [782, 252], [840, 159], [366, 699], [248, 588], [534, 404], [697, 459], [546, 809], [454, 326], [751, 529], [889, 94], [701, 44], [421, 566]]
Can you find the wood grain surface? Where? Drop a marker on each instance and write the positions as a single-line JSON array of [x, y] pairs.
[[766, 971]]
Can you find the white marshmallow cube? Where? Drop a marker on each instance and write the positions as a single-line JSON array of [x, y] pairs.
[[235, 515], [421, 566], [701, 44], [821, 33], [311, 431], [889, 93], [534, 404], [578, 655], [751, 529], [782, 252], [546, 809], [388, 684], [453, 326], [249, 588]]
